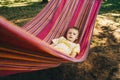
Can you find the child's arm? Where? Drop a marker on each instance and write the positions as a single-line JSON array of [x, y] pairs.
[[75, 51], [52, 44], [73, 54]]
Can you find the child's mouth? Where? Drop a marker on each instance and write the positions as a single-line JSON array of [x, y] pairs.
[[70, 37]]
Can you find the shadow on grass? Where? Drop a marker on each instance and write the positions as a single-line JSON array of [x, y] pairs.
[[21, 12], [47, 74]]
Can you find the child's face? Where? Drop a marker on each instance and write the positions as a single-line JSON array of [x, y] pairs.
[[72, 34]]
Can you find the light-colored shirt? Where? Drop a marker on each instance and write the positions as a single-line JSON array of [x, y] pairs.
[[65, 46]]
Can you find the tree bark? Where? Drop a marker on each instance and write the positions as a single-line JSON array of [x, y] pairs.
[[44, 1]]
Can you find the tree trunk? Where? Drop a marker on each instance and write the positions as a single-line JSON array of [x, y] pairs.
[[44, 1]]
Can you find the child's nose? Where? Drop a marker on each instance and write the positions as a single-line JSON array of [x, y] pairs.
[[71, 34]]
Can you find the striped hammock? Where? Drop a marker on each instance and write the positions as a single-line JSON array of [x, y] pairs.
[[27, 48]]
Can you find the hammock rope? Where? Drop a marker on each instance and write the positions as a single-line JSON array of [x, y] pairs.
[[27, 48]]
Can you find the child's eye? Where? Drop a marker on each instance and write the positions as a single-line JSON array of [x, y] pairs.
[[74, 34]]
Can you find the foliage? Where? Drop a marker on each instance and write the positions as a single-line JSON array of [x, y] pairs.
[[110, 6]]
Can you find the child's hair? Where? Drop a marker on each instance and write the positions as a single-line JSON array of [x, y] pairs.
[[74, 27]]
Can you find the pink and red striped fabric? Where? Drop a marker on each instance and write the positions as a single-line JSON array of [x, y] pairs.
[[27, 48]]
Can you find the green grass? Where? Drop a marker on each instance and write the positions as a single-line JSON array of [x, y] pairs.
[[21, 12], [111, 6]]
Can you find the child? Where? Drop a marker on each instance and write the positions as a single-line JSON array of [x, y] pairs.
[[67, 44]]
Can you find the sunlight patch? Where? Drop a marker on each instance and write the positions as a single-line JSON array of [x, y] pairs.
[[108, 5], [17, 4]]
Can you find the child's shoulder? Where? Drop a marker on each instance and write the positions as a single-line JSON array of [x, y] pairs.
[[77, 44], [62, 37]]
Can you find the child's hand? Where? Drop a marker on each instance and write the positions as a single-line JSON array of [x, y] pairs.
[[73, 55]]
